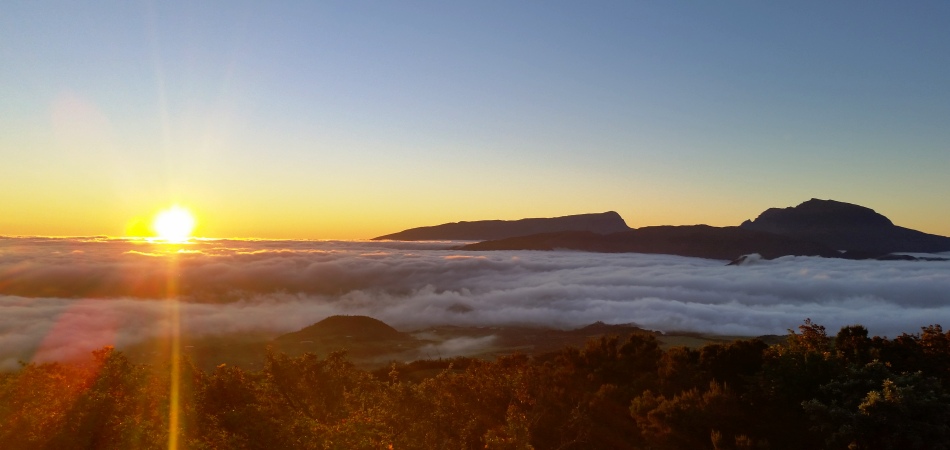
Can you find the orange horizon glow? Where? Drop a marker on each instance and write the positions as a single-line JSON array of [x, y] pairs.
[[366, 221]]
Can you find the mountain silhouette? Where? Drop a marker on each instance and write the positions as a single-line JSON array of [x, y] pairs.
[[481, 230], [700, 241], [857, 230], [824, 228]]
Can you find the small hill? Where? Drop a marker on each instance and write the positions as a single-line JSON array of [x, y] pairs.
[[602, 329], [601, 223], [355, 328], [844, 226]]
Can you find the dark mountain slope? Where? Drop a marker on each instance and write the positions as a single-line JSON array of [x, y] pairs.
[[608, 222], [844, 226], [701, 241]]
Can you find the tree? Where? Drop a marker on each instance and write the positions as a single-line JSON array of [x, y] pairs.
[[691, 419], [872, 408], [853, 345]]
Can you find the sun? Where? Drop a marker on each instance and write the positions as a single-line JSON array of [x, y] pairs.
[[174, 224]]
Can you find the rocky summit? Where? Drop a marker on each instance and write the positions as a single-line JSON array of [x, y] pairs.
[[855, 229]]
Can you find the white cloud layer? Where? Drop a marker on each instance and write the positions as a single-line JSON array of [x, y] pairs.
[[63, 297]]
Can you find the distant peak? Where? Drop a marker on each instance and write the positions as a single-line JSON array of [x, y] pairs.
[[818, 212], [845, 226]]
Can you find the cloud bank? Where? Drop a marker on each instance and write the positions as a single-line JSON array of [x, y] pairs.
[[63, 296]]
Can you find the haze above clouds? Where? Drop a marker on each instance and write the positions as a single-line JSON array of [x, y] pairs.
[[63, 297]]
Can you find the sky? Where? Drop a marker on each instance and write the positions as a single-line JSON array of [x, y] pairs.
[[349, 120], [71, 296]]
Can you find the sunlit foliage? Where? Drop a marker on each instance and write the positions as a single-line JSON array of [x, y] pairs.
[[850, 391]]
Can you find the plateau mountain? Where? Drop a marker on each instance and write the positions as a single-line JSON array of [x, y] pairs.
[[481, 230]]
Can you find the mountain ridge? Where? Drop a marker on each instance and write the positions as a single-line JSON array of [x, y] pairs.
[[701, 241], [482, 230], [826, 228]]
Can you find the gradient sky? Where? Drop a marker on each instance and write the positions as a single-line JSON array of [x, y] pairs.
[[356, 119]]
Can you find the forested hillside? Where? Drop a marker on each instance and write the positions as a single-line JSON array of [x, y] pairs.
[[848, 391]]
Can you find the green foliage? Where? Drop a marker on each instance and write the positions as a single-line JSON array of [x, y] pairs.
[[853, 345], [691, 419], [873, 408]]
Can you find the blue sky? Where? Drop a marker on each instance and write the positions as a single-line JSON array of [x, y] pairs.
[[355, 119]]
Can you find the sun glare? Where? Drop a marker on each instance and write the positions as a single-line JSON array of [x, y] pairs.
[[174, 224]]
